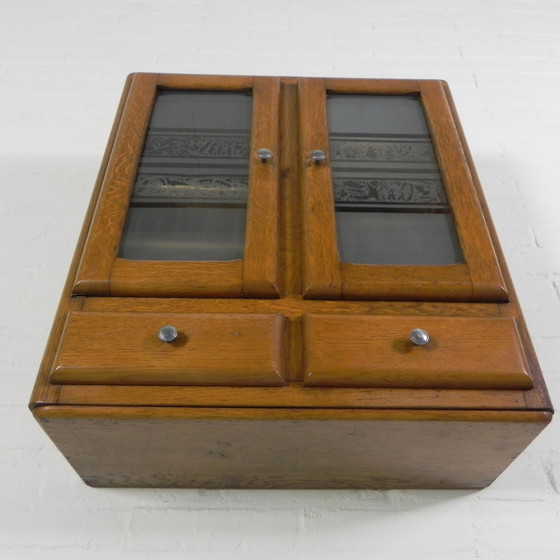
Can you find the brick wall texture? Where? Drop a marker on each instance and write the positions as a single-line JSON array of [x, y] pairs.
[[62, 67]]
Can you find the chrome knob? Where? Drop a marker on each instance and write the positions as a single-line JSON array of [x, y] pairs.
[[168, 333], [419, 337], [264, 154], [318, 156]]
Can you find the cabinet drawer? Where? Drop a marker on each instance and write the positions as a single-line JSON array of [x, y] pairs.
[[373, 351], [209, 349]]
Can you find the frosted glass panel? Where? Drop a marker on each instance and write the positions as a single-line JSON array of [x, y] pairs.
[[190, 196], [391, 206]]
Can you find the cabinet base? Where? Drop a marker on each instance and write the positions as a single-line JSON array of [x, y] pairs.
[[173, 447]]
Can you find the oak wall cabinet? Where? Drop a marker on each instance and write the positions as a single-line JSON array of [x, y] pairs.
[[288, 283]]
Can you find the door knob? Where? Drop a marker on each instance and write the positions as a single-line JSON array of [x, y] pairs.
[[419, 337], [264, 154], [318, 156], [168, 333]]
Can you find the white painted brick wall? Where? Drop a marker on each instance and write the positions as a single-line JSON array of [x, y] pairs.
[[62, 67]]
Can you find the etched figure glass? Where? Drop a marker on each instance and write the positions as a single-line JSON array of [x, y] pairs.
[[391, 206], [190, 196]]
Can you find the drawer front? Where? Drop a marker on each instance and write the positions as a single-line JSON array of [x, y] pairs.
[[209, 349], [374, 351]]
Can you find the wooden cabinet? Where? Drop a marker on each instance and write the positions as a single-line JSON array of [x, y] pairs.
[[288, 283]]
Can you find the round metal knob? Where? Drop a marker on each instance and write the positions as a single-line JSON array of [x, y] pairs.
[[168, 333], [264, 154], [419, 337], [318, 156]]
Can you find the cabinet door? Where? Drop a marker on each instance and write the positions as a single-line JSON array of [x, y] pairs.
[[188, 206], [390, 209]]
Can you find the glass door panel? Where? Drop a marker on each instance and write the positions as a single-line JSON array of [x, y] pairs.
[[190, 195], [186, 206], [390, 206], [390, 203]]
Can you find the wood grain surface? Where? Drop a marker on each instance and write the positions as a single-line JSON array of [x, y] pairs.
[[488, 281], [290, 448], [321, 262], [462, 353], [103, 240], [210, 349], [261, 262]]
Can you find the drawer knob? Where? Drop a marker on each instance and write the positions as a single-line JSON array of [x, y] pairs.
[[419, 337], [168, 333], [318, 156], [264, 154]]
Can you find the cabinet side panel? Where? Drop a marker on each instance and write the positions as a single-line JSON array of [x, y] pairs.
[[288, 449], [539, 397]]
